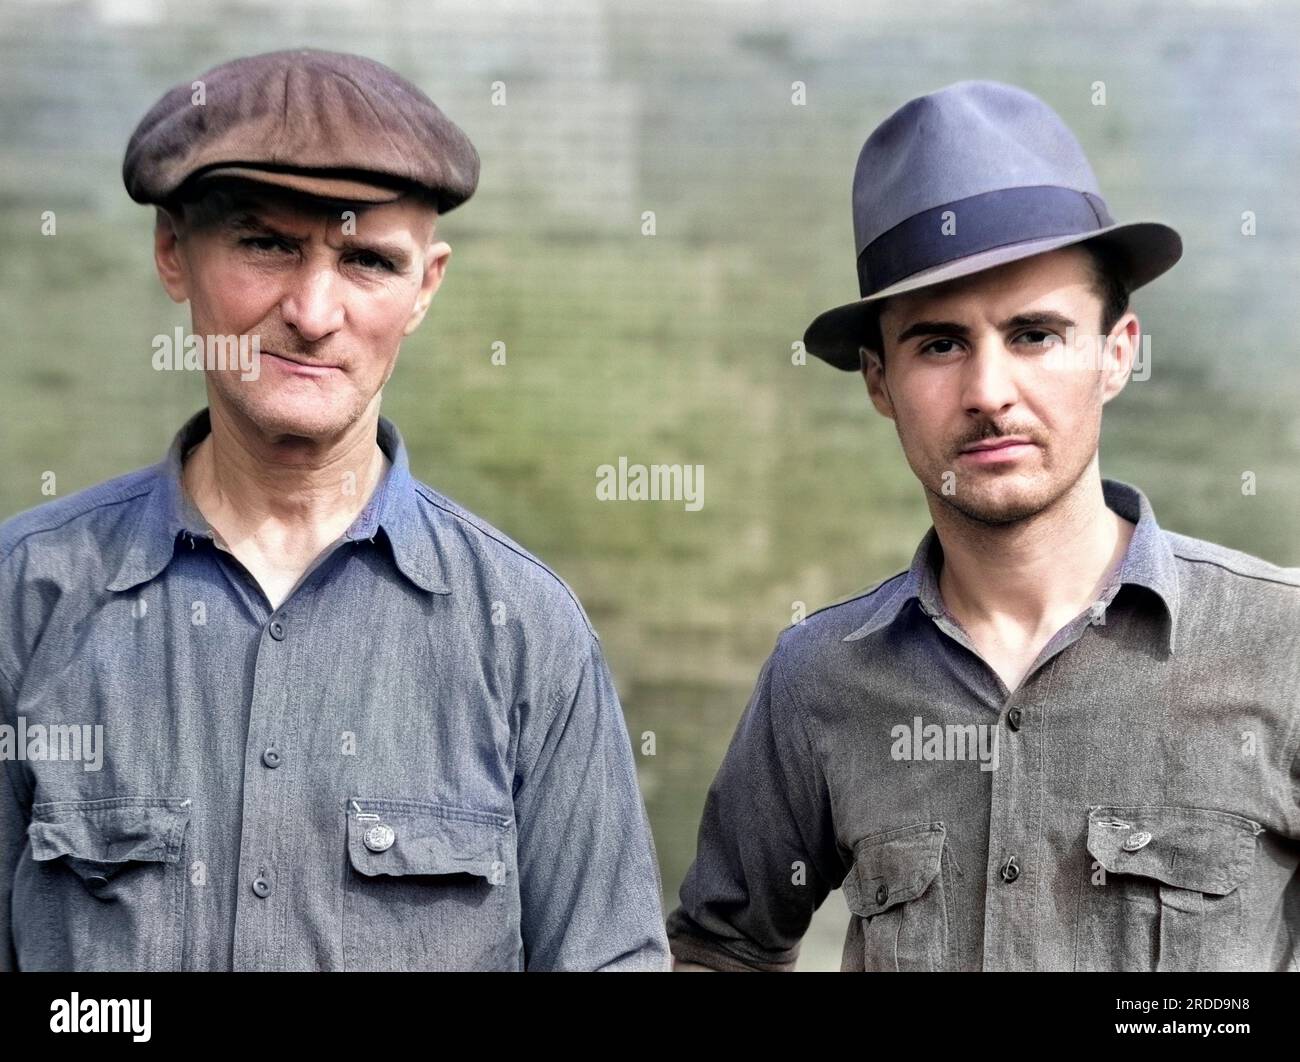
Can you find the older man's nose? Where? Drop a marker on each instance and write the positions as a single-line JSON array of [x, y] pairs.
[[313, 306]]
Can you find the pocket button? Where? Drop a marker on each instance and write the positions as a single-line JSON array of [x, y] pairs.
[[1137, 841], [379, 838], [882, 894]]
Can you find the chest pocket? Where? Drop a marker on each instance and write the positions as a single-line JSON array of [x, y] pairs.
[[107, 883], [429, 887], [1163, 890], [900, 893]]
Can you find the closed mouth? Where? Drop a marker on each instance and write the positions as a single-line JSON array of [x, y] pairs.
[[996, 444]]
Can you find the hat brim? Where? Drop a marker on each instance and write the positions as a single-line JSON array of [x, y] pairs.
[[1148, 248], [321, 187]]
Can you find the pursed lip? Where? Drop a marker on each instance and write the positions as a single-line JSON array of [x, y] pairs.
[[996, 444], [311, 365]]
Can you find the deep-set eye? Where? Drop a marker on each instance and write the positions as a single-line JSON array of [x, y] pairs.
[[1039, 337], [370, 260], [264, 244]]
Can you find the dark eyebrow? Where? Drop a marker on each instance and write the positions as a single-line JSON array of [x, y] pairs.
[[249, 222], [951, 328]]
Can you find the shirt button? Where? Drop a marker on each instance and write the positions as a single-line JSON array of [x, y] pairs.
[[1013, 718], [277, 630], [1010, 870], [272, 758], [1137, 841], [882, 894], [261, 887], [379, 838]]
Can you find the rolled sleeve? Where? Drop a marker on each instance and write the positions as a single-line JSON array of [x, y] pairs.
[[591, 893], [766, 856]]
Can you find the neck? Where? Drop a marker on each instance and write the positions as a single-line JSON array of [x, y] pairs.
[[282, 489], [1034, 572]]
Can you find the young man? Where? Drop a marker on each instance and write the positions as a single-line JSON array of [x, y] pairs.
[[1064, 738], [341, 722]]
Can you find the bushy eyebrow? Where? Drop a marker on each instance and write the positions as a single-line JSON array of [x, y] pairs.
[[249, 222], [1047, 318]]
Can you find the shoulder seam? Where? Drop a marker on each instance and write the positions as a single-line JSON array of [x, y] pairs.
[[1236, 570], [855, 597], [101, 503], [430, 495]]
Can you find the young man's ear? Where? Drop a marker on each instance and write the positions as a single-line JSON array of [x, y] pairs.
[[873, 371], [167, 256], [1121, 349]]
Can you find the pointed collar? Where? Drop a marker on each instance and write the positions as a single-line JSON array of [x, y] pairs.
[[167, 516], [1149, 562]]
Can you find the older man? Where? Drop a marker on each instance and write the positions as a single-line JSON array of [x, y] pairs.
[[1064, 738], [345, 724]]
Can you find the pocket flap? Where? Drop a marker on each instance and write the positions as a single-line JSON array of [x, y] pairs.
[[894, 867], [399, 837], [99, 837], [1190, 848]]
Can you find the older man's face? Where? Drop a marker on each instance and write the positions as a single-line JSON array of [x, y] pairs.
[[983, 357], [330, 306]]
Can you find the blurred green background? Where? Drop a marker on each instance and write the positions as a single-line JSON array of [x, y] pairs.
[[676, 347]]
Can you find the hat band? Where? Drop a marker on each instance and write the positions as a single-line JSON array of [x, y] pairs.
[[978, 223]]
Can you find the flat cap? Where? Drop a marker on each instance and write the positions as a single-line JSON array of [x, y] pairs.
[[324, 123]]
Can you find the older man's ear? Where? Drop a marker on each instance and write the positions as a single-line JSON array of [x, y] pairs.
[[435, 265], [167, 255]]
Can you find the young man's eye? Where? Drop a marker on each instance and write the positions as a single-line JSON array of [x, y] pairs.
[[929, 348], [1040, 338]]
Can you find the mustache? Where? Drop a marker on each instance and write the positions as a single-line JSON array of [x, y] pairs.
[[994, 432]]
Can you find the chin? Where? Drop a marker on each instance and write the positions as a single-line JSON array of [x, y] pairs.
[[1005, 502], [313, 418]]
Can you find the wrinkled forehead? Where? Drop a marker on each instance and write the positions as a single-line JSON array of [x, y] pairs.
[[245, 204]]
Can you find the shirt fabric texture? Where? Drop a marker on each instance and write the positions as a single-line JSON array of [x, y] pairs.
[[417, 762], [1143, 813]]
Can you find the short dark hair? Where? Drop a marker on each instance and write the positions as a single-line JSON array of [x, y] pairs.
[[1108, 273]]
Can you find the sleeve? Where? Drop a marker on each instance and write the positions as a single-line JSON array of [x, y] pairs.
[[13, 833], [590, 889], [767, 855]]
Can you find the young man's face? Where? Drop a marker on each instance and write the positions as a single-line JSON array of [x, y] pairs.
[[980, 357], [330, 307]]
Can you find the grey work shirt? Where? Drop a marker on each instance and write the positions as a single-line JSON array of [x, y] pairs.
[[1143, 813], [417, 762]]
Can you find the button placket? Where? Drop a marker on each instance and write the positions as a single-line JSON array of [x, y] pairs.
[[263, 846]]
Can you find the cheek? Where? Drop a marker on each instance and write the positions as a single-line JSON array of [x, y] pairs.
[[1072, 400], [236, 299], [379, 315]]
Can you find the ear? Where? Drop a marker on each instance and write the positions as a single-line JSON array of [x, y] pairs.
[[167, 256], [873, 371], [1118, 354], [436, 257]]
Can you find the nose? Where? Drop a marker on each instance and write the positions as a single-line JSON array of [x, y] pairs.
[[989, 382], [312, 306]]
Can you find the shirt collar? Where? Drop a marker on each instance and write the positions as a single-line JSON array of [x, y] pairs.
[[167, 515], [1148, 562]]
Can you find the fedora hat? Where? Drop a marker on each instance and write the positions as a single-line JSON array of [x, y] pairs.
[[972, 176]]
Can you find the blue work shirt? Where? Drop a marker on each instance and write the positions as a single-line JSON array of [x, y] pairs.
[[1134, 804], [417, 762]]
